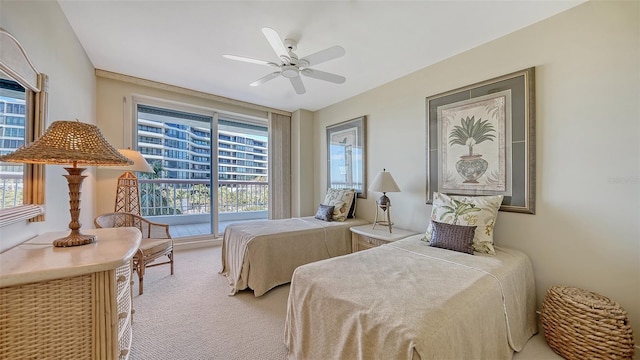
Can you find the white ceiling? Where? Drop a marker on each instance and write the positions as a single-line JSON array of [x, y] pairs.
[[182, 42]]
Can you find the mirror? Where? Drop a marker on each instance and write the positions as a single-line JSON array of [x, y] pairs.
[[23, 109]]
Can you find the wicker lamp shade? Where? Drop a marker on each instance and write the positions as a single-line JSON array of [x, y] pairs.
[[76, 143], [69, 142]]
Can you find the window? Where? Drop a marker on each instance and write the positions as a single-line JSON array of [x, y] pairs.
[[23, 101], [12, 112], [190, 151]]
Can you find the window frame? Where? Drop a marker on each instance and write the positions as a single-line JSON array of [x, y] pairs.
[[15, 63]]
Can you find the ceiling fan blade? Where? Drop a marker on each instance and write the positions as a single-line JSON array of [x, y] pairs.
[[321, 56], [323, 75], [250, 60], [266, 78], [276, 43], [298, 86]]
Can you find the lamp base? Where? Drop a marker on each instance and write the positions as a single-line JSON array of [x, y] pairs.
[[74, 239], [127, 194], [386, 217], [74, 179]]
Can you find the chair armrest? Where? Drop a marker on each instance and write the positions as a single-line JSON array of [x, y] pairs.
[[157, 230]]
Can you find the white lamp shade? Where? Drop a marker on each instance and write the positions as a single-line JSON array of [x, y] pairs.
[[384, 183], [139, 163]]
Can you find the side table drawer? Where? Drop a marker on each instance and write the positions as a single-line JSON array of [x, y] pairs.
[[365, 237], [366, 242]]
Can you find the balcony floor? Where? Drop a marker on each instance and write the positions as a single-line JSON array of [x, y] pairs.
[[199, 229]]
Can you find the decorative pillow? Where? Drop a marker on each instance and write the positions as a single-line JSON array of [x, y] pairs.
[[336, 196], [325, 212], [480, 211], [452, 237]]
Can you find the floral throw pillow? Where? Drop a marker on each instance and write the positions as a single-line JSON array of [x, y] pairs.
[[479, 211], [336, 196]]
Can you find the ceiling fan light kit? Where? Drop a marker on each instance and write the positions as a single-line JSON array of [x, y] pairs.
[[289, 71], [290, 66]]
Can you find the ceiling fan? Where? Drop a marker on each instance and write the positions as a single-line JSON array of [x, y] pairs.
[[291, 66]]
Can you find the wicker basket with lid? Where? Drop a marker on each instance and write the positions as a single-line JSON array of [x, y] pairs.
[[580, 324]]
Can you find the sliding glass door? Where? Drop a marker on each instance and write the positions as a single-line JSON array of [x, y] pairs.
[[193, 152], [242, 171]]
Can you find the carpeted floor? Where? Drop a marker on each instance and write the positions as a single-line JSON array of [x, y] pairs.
[[189, 316]]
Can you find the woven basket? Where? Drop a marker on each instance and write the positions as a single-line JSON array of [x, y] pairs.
[[580, 324]]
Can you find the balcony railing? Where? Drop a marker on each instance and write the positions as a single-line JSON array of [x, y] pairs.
[[11, 188], [178, 202], [166, 197]]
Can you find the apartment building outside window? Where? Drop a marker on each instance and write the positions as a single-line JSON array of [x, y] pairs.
[[12, 135]]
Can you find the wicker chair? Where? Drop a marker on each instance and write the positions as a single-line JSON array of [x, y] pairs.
[[156, 241]]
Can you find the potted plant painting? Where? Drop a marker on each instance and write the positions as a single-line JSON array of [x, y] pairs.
[[470, 133]]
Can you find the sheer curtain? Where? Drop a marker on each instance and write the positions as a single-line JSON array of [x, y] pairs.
[[279, 166]]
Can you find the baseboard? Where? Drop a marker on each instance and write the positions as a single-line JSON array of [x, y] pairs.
[[196, 243]]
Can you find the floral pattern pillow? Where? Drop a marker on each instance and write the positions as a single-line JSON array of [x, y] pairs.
[[479, 211], [336, 196]]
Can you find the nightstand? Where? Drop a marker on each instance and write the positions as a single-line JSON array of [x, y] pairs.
[[364, 237]]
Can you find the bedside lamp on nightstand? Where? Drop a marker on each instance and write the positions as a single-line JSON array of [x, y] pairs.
[[384, 183]]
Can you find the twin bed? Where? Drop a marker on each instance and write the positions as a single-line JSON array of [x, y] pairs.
[[402, 300], [263, 254], [407, 300]]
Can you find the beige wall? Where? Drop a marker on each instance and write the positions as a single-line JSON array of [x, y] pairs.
[[585, 232], [53, 48]]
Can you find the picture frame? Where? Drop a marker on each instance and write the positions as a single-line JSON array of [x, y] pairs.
[[481, 141], [346, 156]]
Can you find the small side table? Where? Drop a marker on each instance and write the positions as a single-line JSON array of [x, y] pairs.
[[364, 237]]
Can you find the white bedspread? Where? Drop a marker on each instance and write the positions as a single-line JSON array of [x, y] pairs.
[[263, 254], [407, 300]]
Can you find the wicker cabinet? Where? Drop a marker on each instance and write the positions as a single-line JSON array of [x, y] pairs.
[[365, 237], [68, 303]]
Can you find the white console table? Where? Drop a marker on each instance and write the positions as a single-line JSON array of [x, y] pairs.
[[68, 303]]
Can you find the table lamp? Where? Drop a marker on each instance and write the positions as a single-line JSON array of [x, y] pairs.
[[76, 143], [384, 183]]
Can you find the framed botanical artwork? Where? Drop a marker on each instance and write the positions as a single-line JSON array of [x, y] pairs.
[[346, 156], [481, 141]]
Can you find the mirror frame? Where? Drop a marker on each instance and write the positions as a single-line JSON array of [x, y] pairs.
[[15, 63]]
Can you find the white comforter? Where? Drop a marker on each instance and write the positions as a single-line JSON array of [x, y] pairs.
[[264, 254], [406, 300]]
